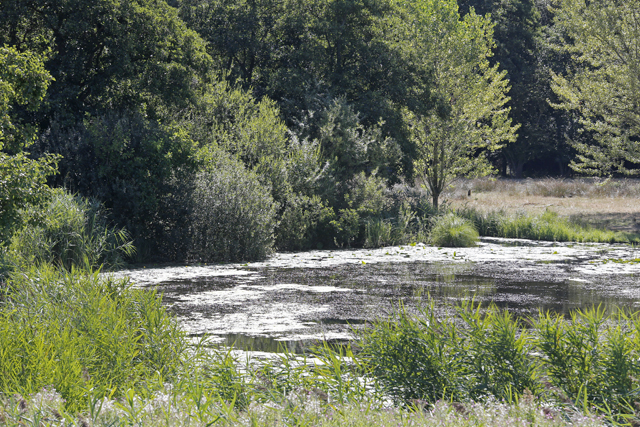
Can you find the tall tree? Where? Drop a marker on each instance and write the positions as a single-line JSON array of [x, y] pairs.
[[107, 54], [23, 83], [472, 118], [603, 85], [522, 51], [297, 51]]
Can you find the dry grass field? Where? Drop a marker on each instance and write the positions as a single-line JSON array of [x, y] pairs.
[[613, 204]]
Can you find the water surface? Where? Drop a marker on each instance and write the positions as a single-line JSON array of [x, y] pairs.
[[295, 299]]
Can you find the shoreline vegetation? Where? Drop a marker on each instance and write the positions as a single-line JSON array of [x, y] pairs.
[[212, 131], [81, 349], [87, 350]]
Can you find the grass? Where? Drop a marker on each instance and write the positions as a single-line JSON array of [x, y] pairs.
[[593, 188], [77, 331], [170, 408], [548, 226], [588, 361], [80, 349], [451, 230], [612, 204], [70, 232]]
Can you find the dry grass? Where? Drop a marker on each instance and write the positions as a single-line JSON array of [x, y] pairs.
[[613, 204]]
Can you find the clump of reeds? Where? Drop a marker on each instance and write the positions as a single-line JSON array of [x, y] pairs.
[[69, 231], [77, 331], [588, 361]]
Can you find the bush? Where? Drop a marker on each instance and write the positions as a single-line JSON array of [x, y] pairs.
[[70, 231], [80, 332], [233, 216], [128, 162], [588, 360], [298, 227], [451, 230]]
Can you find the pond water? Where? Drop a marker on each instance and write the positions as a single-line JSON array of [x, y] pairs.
[[295, 299]]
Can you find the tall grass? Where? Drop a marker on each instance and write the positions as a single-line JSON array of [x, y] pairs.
[[551, 187], [70, 231], [548, 226], [81, 349], [77, 331], [451, 230], [588, 361], [168, 407]]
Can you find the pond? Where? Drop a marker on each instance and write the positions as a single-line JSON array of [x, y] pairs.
[[295, 299]]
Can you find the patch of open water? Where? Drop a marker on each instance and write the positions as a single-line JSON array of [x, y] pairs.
[[294, 299]]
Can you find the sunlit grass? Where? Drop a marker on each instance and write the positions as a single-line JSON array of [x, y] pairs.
[[548, 226]]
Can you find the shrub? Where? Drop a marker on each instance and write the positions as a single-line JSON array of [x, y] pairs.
[[69, 231], [233, 216], [346, 227], [298, 227], [453, 231], [548, 226]]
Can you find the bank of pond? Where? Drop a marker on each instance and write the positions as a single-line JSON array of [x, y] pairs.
[[81, 348]]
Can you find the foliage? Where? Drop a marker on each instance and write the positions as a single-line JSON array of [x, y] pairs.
[[68, 232], [293, 50], [451, 230], [589, 359], [428, 358], [23, 83], [346, 145], [602, 86], [522, 32], [81, 333], [593, 359], [471, 118], [300, 222], [232, 216], [108, 54], [136, 167], [22, 184], [227, 117]]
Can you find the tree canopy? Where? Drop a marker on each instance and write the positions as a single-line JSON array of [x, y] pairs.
[[471, 118], [23, 83], [603, 83]]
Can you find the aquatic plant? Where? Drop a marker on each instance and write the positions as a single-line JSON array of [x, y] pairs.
[[78, 331], [588, 361]]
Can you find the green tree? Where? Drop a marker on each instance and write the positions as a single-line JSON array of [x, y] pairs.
[[107, 54], [296, 51], [603, 85], [23, 83], [472, 118]]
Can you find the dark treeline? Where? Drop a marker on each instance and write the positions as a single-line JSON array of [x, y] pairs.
[[222, 129]]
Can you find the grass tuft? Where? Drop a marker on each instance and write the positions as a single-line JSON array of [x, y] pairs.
[[451, 230]]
